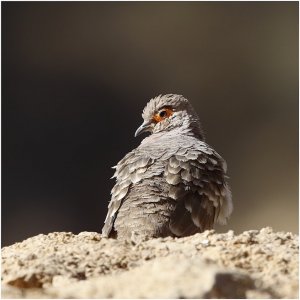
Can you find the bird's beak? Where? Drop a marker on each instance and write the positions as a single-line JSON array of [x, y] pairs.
[[146, 126]]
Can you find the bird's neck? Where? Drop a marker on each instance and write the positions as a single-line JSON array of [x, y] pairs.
[[191, 127], [194, 130]]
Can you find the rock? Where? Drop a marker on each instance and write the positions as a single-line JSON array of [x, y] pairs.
[[254, 264]]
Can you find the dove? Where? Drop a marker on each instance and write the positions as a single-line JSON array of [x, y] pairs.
[[173, 183]]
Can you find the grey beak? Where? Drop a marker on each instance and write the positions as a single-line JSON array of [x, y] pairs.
[[146, 126]]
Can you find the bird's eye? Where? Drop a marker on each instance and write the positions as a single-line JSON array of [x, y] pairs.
[[163, 114]]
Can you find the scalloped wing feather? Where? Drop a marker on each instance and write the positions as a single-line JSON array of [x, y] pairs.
[[197, 179], [130, 170]]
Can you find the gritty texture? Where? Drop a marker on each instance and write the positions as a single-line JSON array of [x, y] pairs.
[[254, 264]]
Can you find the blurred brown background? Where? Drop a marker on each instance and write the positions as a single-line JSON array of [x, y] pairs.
[[76, 76]]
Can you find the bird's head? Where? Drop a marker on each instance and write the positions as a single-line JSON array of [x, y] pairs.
[[170, 112]]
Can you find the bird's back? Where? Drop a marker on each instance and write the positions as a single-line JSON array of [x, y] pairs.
[[171, 185]]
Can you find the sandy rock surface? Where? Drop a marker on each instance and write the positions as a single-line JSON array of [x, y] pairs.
[[254, 264]]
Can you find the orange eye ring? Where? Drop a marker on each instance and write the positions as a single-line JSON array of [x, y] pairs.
[[162, 114]]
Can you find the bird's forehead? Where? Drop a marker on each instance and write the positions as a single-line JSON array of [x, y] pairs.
[[161, 101]]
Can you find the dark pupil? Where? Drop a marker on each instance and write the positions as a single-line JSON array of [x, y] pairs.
[[162, 114]]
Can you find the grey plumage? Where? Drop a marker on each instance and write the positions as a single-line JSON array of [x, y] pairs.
[[173, 184]]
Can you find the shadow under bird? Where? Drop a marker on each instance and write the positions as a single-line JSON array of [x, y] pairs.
[[173, 183]]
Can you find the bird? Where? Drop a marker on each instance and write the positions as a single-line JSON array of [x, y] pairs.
[[174, 183]]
